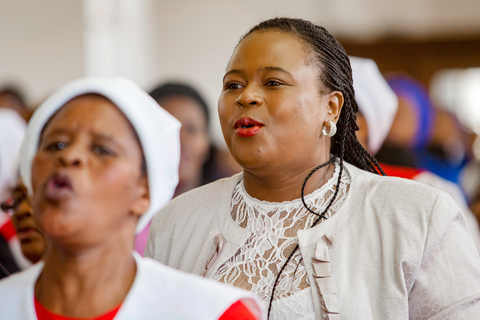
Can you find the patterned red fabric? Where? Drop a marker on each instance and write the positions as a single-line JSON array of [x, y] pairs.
[[44, 314], [400, 172], [237, 311]]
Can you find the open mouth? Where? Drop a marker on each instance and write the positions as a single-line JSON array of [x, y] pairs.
[[58, 187], [247, 127]]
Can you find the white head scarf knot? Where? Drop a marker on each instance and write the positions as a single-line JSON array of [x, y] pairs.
[[12, 132], [376, 100], [157, 130]]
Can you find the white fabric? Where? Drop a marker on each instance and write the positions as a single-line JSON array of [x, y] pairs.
[[158, 292], [399, 249], [376, 100], [12, 132], [157, 129], [273, 236], [432, 180]]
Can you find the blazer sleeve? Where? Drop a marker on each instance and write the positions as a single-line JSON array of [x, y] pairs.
[[447, 284]]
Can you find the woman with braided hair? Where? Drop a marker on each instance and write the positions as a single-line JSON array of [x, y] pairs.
[[311, 225]]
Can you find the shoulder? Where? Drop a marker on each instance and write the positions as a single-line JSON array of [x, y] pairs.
[[392, 189], [22, 279], [175, 281], [16, 292], [173, 292], [203, 196], [200, 203], [407, 208], [396, 200]]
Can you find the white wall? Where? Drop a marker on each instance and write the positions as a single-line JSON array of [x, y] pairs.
[[41, 44]]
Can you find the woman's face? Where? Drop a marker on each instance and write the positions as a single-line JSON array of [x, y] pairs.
[[31, 240], [193, 135], [86, 176], [271, 109]]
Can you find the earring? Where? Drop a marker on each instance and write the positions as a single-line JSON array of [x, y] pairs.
[[333, 129]]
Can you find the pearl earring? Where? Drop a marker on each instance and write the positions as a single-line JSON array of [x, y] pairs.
[[333, 129]]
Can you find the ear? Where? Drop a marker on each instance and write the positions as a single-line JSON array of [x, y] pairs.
[[335, 105], [142, 200]]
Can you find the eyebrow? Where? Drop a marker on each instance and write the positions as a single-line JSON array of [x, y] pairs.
[[268, 68], [100, 136]]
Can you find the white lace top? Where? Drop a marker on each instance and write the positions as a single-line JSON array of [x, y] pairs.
[[273, 236]]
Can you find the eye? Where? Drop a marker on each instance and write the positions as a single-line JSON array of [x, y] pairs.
[[102, 151], [232, 86], [55, 146], [273, 83]]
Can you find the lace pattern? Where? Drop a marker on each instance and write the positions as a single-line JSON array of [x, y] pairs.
[[273, 229]]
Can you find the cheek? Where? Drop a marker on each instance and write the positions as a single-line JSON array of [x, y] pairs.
[[117, 181], [40, 165], [224, 111]]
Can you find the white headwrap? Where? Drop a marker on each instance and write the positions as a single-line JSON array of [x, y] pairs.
[[12, 132], [376, 100], [157, 130]]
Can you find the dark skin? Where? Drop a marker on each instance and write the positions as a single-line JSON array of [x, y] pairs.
[[404, 126], [272, 77], [31, 239], [89, 232], [193, 140]]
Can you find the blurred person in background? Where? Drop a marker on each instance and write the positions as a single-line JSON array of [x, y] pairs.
[[412, 126], [187, 106], [377, 106], [99, 159], [422, 136], [12, 98], [31, 239], [12, 131]]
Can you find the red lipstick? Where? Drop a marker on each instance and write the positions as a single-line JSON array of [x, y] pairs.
[[247, 127]]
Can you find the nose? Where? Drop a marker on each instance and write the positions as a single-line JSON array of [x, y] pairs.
[[73, 155], [23, 211], [250, 97]]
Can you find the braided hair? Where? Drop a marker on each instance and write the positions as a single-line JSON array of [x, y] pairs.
[[335, 75]]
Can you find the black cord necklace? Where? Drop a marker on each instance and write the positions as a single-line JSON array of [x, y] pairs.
[[320, 216]]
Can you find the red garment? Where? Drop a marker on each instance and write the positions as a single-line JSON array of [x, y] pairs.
[[44, 314], [238, 311], [7, 230], [400, 172]]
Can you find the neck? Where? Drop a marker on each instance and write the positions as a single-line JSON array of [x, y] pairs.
[[88, 283], [285, 185]]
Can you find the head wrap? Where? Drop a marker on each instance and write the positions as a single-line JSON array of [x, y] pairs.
[[157, 130], [12, 132], [376, 100], [412, 90]]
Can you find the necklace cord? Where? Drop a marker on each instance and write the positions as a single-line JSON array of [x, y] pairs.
[[320, 216]]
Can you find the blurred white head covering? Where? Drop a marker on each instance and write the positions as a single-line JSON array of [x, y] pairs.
[[376, 100], [157, 130], [12, 132]]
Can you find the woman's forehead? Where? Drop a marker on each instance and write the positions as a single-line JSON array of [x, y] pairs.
[[93, 111], [271, 47]]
